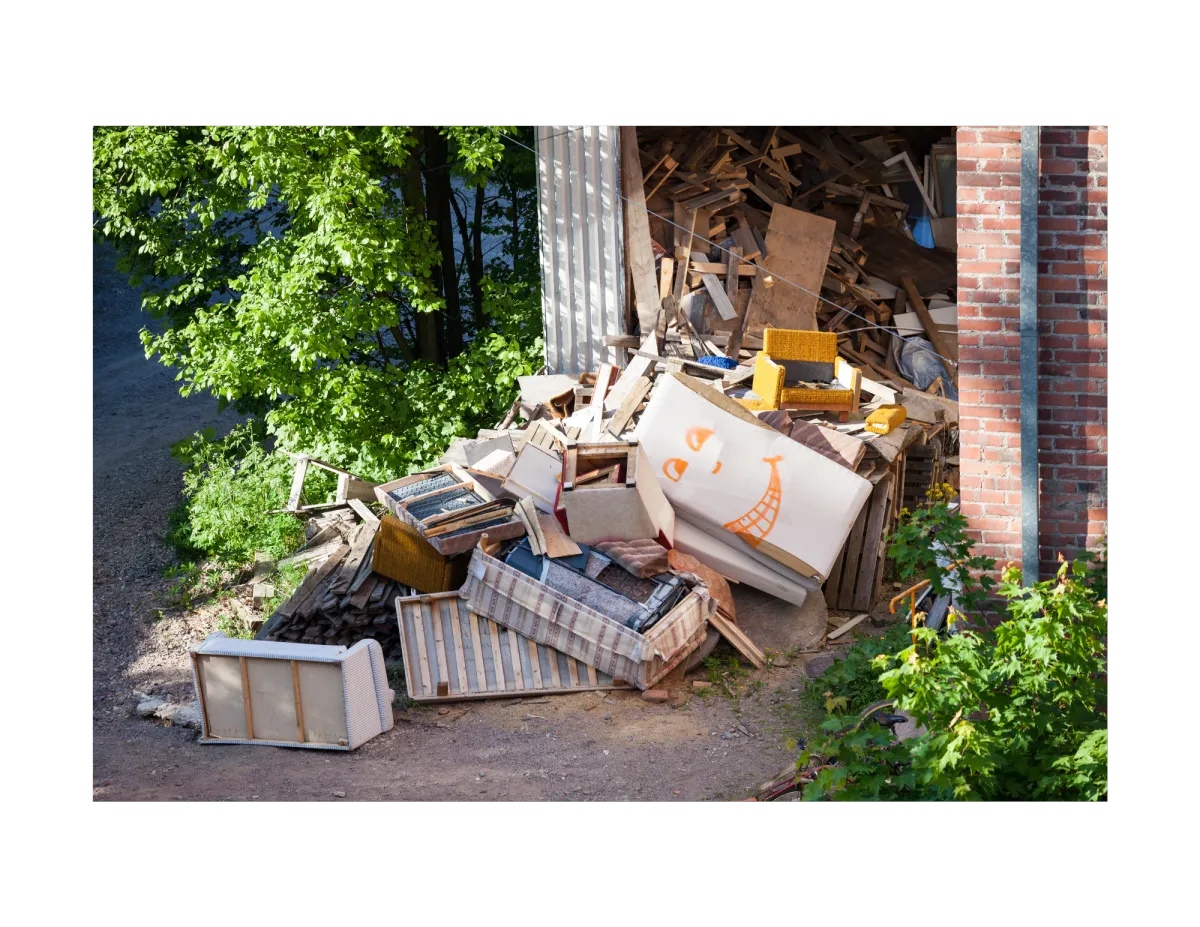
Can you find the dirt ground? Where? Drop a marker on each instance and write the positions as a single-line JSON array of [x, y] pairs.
[[579, 747]]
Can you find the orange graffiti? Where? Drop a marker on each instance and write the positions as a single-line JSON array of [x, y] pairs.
[[674, 468], [756, 524], [717, 467], [696, 437]]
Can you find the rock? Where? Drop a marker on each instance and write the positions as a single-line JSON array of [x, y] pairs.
[[166, 711], [150, 707], [656, 695], [339, 794], [816, 665], [188, 716]]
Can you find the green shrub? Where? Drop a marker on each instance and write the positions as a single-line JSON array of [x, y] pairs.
[[228, 487], [1017, 712]]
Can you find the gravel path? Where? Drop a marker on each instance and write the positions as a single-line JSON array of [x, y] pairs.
[[575, 747]]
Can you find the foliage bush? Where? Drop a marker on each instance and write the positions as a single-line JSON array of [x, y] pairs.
[[1015, 712], [228, 486]]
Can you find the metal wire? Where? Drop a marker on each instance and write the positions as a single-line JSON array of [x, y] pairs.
[[920, 343]]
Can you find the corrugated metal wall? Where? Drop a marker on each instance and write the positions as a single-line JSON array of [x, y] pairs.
[[583, 283]]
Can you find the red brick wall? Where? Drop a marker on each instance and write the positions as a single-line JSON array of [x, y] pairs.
[[1072, 332]]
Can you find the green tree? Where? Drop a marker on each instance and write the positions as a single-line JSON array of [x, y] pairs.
[[313, 275]]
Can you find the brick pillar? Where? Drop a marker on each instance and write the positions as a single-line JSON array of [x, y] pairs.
[[1073, 332]]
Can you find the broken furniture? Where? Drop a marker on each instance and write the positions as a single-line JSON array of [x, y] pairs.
[[885, 418], [290, 695], [403, 554], [754, 487], [450, 509], [504, 594], [349, 486], [451, 653], [801, 371], [610, 493]]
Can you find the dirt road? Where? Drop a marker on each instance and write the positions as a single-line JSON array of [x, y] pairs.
[[576, 747]]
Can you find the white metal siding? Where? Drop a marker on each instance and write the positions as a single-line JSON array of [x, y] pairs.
[[579, 218]]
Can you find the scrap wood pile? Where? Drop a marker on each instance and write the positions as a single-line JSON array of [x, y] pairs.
[[341, 600], [735, 216]]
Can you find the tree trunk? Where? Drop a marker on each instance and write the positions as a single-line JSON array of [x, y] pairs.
[[472, 239], [437, 208], [429, 324]]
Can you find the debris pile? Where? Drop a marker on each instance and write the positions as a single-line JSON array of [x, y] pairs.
[[755, 434]]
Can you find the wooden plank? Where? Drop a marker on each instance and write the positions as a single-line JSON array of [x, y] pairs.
[[443, 674], [719, 297], [203, 693], [515, 655], [846, 592], [494, 636], [733, 262], [558, 543], [936, 338], [737, 637], [299, 703], [363, 512], [798, 245], [666, 277], [833, 583], [874, 538], [852, 623], [476, 647], [633, 399], [572, 672], [460, 658], [555, 680], [297, 483], [310, 585], [246, 698], [428, 685], [535, 665], [591, 672], [637, 227]]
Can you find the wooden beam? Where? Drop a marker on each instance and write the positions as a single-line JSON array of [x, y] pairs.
[[637, 225], [936, 338]]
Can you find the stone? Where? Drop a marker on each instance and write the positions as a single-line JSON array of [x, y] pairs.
[[166, 711], [339, 794], [150, 706], [656, 695], [816, 665], [188, 716]]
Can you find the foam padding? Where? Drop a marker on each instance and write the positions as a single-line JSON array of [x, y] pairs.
[[885, 418], [791, 344], [831, 397], [768, 380], [403, 555]]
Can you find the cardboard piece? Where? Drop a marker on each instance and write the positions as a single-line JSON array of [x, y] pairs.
[[536, 473], [782, 499]]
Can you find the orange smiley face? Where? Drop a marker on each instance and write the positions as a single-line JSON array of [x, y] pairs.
[[674, 467]]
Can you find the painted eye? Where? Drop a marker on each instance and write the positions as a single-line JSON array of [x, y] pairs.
[[673, 469], [697, 436]]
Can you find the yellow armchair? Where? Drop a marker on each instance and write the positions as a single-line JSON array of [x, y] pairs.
[[830, 383]]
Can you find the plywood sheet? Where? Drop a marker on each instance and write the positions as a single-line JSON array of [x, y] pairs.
[[798, 245]]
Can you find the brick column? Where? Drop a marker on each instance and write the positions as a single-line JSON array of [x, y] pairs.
[[1073, 331]]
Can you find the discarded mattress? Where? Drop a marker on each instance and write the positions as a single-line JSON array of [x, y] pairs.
[[450, 653], [723, 467], [521, 603], [290, 695]]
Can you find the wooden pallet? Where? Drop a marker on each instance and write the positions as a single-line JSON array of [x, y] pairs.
[[451, 653], [854, 581], [922, 468]]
